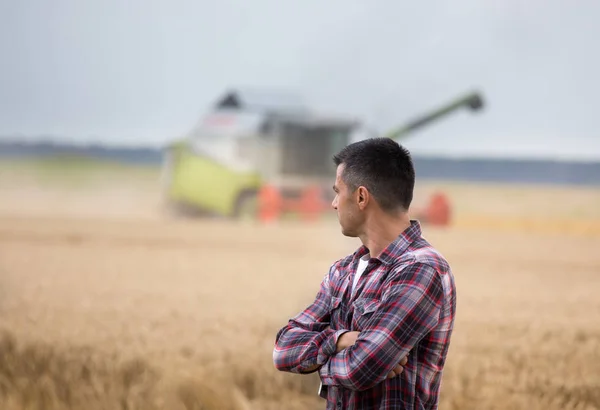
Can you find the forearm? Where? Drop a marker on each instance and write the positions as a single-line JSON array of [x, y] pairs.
[[357, 368], [298, 350]]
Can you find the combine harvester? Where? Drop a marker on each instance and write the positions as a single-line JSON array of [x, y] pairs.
[[260, 155]]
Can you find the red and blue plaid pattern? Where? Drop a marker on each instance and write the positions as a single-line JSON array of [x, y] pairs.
[[404, 305]]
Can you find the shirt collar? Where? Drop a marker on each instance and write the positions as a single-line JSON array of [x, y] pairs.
[[397, 247]]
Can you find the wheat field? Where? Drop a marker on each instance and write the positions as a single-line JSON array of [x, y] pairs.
[[105, 303]]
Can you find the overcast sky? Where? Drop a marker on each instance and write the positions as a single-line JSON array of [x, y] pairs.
[[144, 71]]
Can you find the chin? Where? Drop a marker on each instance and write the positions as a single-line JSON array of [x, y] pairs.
[[348, 233]]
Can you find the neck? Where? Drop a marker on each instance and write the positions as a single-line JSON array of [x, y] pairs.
[[381, 230]]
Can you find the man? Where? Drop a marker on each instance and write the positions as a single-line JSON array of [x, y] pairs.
[[379, 328]]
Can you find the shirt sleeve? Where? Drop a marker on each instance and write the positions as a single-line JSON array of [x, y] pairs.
[[409, 309], [307, 340]]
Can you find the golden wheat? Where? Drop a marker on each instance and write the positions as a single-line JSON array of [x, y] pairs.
[[146, 313]]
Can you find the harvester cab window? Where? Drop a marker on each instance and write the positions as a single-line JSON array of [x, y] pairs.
[[307, 150]]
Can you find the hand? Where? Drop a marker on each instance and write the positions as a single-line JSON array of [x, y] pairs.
[[346, 340], [399, 368]]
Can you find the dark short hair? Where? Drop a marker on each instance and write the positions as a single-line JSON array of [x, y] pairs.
[[382, 166]]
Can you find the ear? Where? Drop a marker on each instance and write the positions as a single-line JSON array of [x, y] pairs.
[[362, 197]]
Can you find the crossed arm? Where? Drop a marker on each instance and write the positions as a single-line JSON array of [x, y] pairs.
[[307, 341], [408, 310]]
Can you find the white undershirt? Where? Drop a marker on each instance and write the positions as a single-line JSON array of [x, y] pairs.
[[362, 265]]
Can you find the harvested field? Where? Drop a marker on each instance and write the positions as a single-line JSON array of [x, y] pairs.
[[107, 304]]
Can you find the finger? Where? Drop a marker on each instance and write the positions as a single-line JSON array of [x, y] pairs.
[[404, 360], [395, 372]]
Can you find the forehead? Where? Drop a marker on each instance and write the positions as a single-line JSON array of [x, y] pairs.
[[338, 175]]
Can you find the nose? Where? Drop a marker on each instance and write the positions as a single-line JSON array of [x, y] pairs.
[[334, 203]]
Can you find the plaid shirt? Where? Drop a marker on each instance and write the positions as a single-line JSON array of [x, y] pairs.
[[404, 303]]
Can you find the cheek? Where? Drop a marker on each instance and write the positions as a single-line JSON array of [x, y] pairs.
[[347, 209]]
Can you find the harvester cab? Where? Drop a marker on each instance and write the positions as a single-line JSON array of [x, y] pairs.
[[246, 141]]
